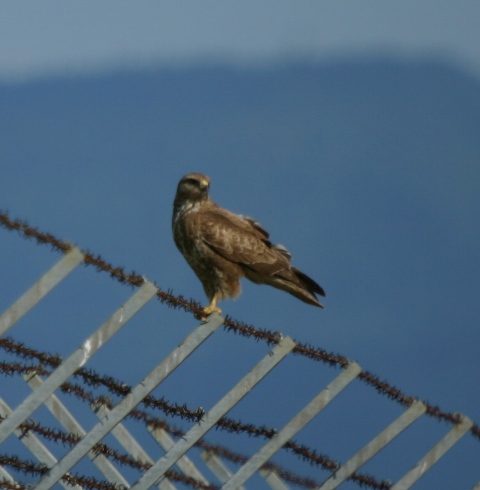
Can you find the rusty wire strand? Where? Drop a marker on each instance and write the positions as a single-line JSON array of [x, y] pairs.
[[304, 452], [31, 468], [35, 469], [178, 301], [11, 486]]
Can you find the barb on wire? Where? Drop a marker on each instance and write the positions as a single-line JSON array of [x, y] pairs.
[[177, 301], [11, 486]]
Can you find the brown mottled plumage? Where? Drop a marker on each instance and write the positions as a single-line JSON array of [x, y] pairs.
[[222, 247]]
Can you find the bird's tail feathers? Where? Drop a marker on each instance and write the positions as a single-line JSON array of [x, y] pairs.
[[301, 286], [309, 283]]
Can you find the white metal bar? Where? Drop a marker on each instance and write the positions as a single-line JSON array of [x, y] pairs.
[[452, 437], [217, 467], [36, 447], [144, 388], [77, 359], [220, 470], [273, 480], [292, 427], [64, 416], [186, 465], [5, 476], [45, 284], [416, 410], [131, 445], [212, 416]]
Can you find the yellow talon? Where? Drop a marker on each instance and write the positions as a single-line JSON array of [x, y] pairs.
[[211, 308], [208, 310]]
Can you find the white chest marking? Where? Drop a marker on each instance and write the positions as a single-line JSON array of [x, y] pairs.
[[187, 208]]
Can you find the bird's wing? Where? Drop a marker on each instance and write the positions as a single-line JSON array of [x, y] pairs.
[[243, 241]]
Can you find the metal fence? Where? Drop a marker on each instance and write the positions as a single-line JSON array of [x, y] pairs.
[[175, 467]]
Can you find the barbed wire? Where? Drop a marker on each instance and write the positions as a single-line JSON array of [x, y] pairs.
[[37, 469], [70, 439], [58, 436], [31, 468], [93, 379], [383, 387]]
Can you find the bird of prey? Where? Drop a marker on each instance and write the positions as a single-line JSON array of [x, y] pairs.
[[222, 247]]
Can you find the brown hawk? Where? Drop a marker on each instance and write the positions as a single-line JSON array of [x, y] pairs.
[[222, 247]]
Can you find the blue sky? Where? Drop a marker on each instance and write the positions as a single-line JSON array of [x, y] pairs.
[[53, 36]]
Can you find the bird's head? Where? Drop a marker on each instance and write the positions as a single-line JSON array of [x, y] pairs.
[[192, 188]]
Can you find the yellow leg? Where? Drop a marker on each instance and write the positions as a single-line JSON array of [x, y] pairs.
[[212, 307]]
